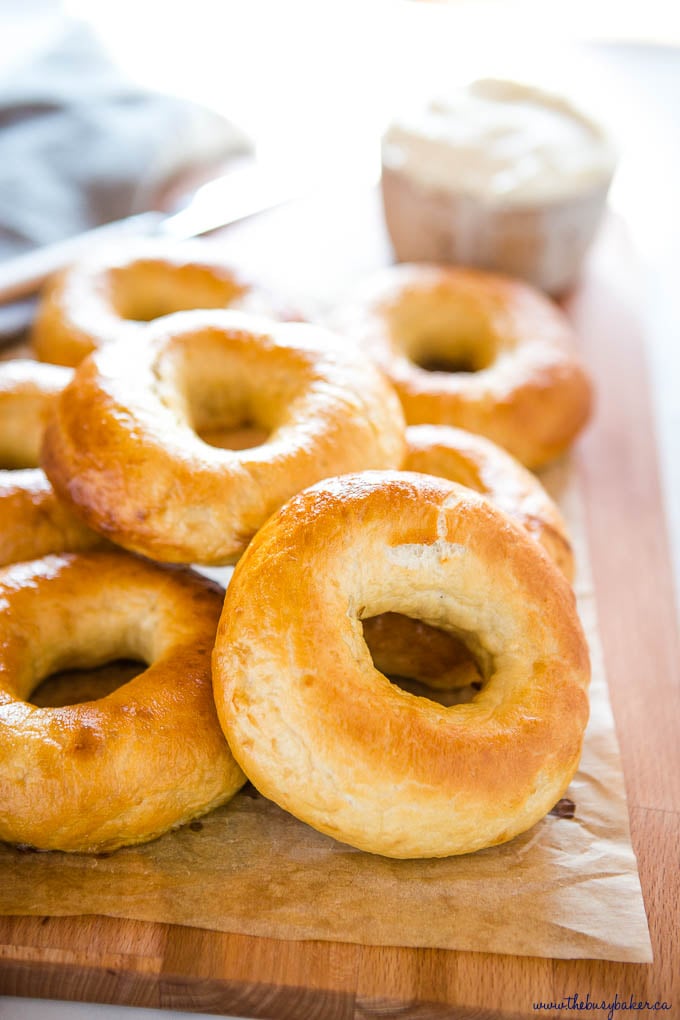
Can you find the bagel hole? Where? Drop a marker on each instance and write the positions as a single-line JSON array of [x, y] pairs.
[[17, 453], [424, 660], [18, 465], [208, 383], [244, 437], [434, 363], [445, 334], [75, 686], [146, 290], [451, 353]]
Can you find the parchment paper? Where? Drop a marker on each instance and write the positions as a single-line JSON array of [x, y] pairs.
[[567, 888]]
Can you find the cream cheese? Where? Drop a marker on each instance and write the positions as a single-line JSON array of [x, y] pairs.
[[502, 143]]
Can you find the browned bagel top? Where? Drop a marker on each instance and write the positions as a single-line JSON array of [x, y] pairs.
[[33, 520], [125, 446], [27, 391], [113, 292], [146, 757], [479, 464], [319, 730], [476, 350]]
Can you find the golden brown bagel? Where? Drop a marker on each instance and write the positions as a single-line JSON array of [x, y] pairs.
[[483, 352], [113, 292], [33, 520], [320, 731], [124, 444], [27, 392], [477, 463], [146, 758], [408, 648]]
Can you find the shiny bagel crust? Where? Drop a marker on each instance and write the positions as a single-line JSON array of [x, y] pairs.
[[520, 383], [33, 520], [477, 463], [124, 447], [27, 392], [144, 759], [320, 731], [408, 648], [115, 290]]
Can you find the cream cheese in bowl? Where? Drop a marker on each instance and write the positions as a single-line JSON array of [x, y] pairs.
[[499, 175]]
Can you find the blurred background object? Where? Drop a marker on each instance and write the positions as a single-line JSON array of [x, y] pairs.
[[498, 175], [315, 84], [81, 144]]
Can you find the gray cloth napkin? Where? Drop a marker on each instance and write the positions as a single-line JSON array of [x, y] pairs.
[[80, 145]]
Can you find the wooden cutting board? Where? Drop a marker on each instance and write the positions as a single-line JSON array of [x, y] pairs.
[[315, 249]]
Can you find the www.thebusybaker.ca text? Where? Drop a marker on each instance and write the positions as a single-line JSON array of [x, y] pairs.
[[576, 1002]]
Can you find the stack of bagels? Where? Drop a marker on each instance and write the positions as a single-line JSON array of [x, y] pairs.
[[369, 477]]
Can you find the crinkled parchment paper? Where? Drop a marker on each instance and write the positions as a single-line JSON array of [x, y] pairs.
[[567, 888]]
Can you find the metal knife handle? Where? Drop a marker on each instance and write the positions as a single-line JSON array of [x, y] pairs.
[[25, 274]]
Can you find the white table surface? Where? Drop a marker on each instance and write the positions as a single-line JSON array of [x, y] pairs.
[[648, 198]]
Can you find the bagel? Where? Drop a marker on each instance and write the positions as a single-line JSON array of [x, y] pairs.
[[27, 392], [409, 648], [477, 463], [319, 730], [124, 445], [115, 291], [479, 351], [33, 520], [144, 759]]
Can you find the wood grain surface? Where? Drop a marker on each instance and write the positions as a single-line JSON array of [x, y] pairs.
[[317, 248]]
